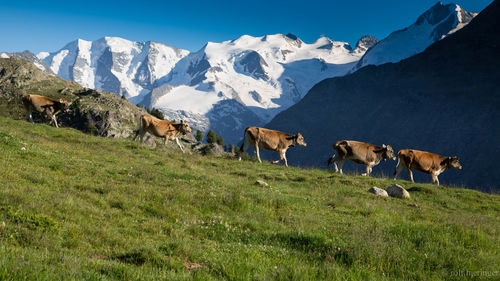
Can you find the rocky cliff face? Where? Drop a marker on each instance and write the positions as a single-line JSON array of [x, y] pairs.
[[445, 100]]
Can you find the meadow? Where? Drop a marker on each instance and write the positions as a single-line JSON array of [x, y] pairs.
[[80, 207]]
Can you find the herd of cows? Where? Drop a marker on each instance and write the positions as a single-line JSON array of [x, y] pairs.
[[359, 152]]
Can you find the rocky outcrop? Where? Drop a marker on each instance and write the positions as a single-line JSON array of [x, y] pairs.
[[92, 111], [378, 191], [397, 191]]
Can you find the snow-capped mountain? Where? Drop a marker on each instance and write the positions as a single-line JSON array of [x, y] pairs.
[[234, 84], [230, 85], [114, 64], [224, 86], [433, 25], [27, 55]]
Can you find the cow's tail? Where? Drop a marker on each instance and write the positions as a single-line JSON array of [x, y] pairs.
[[139, 130], [243, 142], [330, 160]]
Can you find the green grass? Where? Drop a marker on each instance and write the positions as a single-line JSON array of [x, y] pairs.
[[74, 206]]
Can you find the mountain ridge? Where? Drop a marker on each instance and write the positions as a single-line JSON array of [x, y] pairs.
[[416, 103]]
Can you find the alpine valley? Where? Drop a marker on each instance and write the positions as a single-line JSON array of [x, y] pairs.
[[244, 82]]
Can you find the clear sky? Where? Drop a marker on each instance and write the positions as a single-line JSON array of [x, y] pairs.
[[49, 25]]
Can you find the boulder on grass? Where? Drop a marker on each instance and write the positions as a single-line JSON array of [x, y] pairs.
[[397, 191], [378, 191]]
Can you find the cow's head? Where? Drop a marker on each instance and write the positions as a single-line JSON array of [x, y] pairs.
[[387, 152], [454, 163], [299, 139], [64, 105], [185, 127]]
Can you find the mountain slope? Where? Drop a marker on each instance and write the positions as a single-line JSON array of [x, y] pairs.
[[444, 100], [433, 25], [71, 208]]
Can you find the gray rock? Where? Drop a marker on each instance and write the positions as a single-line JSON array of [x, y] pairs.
[[397, 191], [263, 183], [149, 140], [378, 191]]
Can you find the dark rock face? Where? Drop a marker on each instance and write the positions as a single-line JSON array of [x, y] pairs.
[[445, 100], [365, 43], [253, 64], [108, 80], [197, 70], [435, 14]]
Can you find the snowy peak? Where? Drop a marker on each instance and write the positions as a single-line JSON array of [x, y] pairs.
[[264, 75], [444, 18], [364, 44], [433, 25], [114, 64]]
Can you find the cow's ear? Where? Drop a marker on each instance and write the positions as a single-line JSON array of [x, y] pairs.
[[61, 100], [384, 146]]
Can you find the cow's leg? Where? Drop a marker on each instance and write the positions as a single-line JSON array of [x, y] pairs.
[[341, 163], [334, 160], [283, 157], [435, 179], [179, 144], [257, 151], [398, 169], [166, 141], [28, 115], [410, 174], [55, 120], [368, 170], [52, 116]]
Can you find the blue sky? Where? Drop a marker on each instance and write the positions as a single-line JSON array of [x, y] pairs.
[[49, 25]]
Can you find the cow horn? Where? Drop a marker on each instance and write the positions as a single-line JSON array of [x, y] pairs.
[[384, 146]]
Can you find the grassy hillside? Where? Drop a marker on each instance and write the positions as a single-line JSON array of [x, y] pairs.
[[75, 206]]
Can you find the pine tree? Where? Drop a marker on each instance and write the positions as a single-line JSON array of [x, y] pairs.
[[211, 137], [199, 135], [220, 140], [156, 113]]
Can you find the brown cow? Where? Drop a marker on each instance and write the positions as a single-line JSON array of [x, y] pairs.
[[361, 153], [270, 140], [162, 129], [42, 104], [426, 162]]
